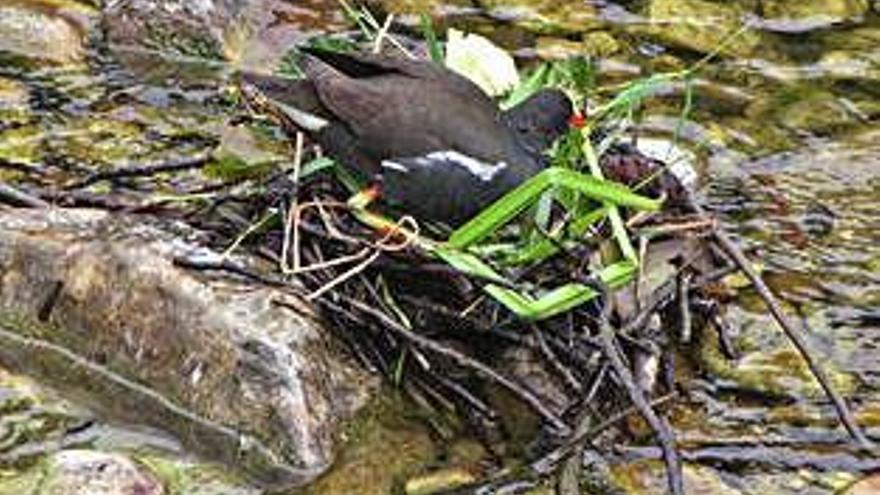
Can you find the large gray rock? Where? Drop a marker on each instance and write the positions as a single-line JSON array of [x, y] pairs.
[[93, 304]]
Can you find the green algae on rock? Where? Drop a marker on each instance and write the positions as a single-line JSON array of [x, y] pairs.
[[38, 35], [93, 304], [547, 16], [703, 26], [831, 10]]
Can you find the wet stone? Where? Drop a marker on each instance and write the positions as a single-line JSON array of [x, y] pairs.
[[828, 10], [547, 16], [255, 33], [38, 35], [866, 486], [86, 472], [702, 26], [93, 304]]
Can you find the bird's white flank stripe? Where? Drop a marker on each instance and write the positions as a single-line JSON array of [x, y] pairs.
[[479, 169], [390, 164]]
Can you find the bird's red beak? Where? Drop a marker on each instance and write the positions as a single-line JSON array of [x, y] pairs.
[[577, 120]]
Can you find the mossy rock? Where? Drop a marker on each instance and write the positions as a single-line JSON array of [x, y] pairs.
[[834, 10], [704, 27], [38, 35], [548, 16]]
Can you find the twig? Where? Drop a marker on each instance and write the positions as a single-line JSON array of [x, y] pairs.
[[185, 163], [27, 169], [17, 197], [552, 458], [462, 360], [737, 256], [657, 423], [684, 307], [761, 456], [551, 358], [382, 33]]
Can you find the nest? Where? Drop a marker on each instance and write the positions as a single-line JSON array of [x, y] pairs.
[[433, 330]]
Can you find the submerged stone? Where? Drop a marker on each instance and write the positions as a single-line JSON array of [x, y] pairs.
[[87, 472], [254, 34], [826, 10], [94, 304], [702, 26], [547, 16], [37, 34]]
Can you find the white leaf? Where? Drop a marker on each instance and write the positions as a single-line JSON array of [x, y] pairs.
[[478, 59]]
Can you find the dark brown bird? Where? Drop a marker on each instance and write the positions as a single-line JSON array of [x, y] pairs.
[[440, 146]]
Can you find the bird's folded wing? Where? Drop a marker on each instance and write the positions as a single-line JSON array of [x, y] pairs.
[[444, 185]]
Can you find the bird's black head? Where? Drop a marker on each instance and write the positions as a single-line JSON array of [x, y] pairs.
[[541, 119]]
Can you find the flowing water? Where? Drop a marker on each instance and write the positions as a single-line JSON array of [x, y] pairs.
[[784, 128]]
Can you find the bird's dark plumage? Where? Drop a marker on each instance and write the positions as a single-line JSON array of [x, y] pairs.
[[440, 145]]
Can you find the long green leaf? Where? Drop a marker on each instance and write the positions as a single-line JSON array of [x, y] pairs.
[[514, 202], [434, 46], [563, 298], [530, 85], [618, 228]]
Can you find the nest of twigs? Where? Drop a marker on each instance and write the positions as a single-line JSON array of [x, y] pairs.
[[431, 329]]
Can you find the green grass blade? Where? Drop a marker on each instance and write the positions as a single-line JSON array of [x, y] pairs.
[[499, 212], [563, 298], [469, 264], [549, 246], [434, 46], [536, 80], [315, 166], [514, 202], [618, 228]]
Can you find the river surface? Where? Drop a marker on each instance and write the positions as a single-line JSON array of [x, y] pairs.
[[784, 130]]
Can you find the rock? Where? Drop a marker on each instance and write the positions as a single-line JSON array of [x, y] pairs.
[[14, 103], [87, 472], [703, 26], [49, 35], [644, 477], [600, 44], [804, 108], [547, 16], [865, 486], [13, 94], [385, 444], [409, 8], [828, 11], [93, 304], [549, 48], [254, 34]]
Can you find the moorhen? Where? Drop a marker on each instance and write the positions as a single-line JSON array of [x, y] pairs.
[[439, 146]]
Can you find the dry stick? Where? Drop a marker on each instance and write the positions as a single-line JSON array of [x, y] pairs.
[[16, 197], [763, 457], [185, 163], [737, 256], [684, 306], [462, 360], [551, 358], [582, 437], [657, 423]]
